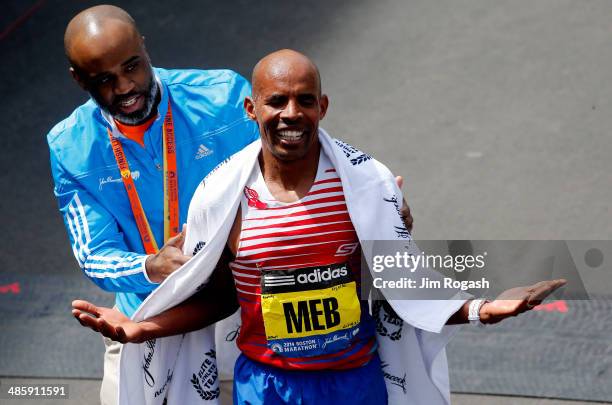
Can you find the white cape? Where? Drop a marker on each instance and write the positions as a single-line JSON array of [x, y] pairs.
[[184, 369]]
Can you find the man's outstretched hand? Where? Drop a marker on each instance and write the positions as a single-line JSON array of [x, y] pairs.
[[169, 258], [108, 321], [518, 300]]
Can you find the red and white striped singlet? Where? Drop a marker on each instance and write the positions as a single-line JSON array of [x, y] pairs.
[[276, 236]]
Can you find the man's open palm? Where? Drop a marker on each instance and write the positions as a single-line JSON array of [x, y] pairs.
[[518, 300], [108, 321]]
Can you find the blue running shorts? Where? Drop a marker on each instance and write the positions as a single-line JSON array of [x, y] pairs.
[[256, 383]]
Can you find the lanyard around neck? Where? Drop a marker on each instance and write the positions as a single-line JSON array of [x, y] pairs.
[[171, 202]]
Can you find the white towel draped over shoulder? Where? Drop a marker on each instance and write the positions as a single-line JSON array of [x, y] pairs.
[[183, 368]]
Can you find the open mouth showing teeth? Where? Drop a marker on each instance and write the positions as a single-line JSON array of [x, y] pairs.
[[128, 102], [291, 135]]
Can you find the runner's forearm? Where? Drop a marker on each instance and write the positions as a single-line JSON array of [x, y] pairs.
[[195, 313], [213, 303]]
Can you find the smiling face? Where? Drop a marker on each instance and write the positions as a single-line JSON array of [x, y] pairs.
[[287, 104], [111, 63]]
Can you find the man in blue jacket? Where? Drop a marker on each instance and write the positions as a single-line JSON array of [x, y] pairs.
[[126, 163]]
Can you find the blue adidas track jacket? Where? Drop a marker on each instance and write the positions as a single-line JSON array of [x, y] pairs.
[[210, 125]]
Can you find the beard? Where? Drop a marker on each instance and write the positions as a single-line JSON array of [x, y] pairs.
[[134, 118]]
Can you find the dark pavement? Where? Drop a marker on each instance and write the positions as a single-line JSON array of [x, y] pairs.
[[496, 113]]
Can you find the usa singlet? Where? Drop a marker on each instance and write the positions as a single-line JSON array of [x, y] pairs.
[[297, 275]]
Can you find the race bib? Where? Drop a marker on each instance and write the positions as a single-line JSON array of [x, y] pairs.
[[310, 311]]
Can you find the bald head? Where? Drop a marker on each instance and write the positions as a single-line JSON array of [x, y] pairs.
[[97, 26], [287, 104], [283, 63], [108, 60]]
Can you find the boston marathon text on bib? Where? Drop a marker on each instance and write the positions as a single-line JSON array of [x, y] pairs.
[[310, 311]]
